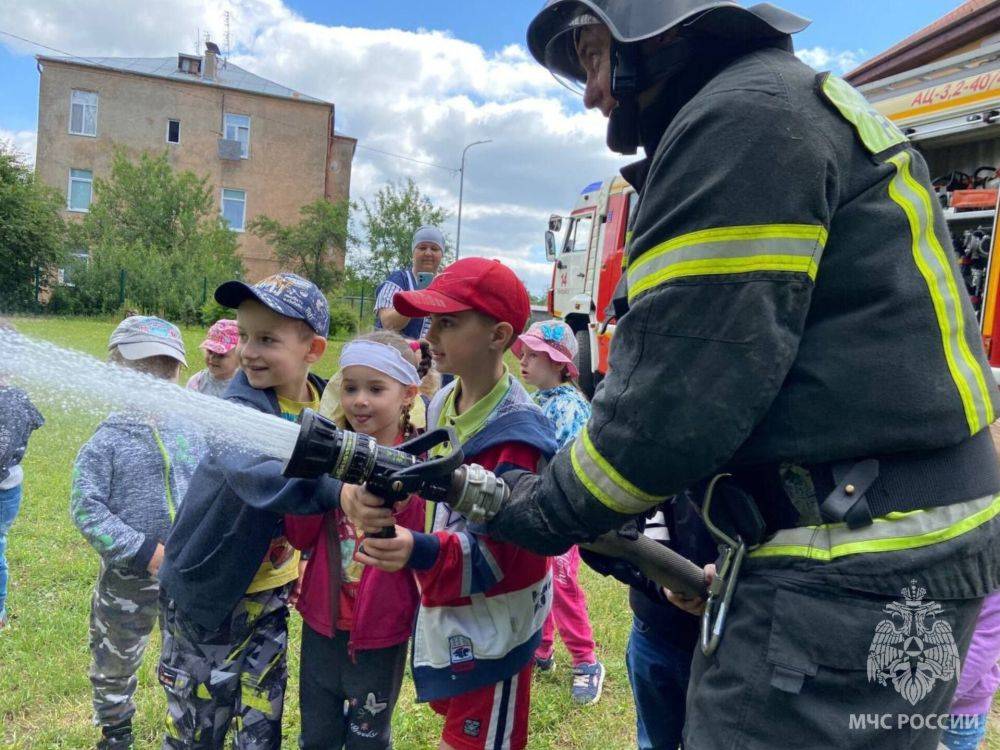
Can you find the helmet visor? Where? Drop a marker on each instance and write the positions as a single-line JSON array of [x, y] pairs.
[[561, 56]]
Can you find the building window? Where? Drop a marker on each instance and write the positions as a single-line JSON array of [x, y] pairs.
[[234, 208], [81, 186], [173, 131], [238, 129], [83, 113], [189, 64], [77, 261]]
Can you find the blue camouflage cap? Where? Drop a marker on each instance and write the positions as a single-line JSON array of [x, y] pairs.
[[285, 293]]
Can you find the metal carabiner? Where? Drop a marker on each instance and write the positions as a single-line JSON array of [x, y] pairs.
[[720, 591]]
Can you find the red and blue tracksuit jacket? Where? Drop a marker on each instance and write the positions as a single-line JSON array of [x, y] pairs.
[[482, 602]]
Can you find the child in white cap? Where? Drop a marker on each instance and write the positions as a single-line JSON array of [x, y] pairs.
[[128, 482]]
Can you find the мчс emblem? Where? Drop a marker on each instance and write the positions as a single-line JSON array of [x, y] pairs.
[[913, 649]]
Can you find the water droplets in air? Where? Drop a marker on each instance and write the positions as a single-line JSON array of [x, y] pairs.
[[74, 381]]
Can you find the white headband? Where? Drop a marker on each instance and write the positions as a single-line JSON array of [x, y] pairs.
[[382, 357]]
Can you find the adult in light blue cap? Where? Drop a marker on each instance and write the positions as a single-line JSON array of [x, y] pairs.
[[428, 252]]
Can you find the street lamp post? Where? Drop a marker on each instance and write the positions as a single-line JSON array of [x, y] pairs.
[[461, 190]]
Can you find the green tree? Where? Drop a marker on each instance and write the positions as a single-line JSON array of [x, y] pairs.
[[163, 230], [387, 227], [32, 232], [308, 248]]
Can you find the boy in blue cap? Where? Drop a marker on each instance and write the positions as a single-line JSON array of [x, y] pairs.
[[228, 568]]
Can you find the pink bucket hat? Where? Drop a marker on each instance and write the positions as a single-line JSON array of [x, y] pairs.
[[553, 338], [222, 337]]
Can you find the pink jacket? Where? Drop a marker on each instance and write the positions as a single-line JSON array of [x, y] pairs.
[[386, 603]]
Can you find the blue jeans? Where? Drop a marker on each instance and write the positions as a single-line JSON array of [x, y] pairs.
[[965, 732], [10, 504], [659, 672]]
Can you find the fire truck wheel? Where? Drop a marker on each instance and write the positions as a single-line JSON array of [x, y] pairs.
[[588, 378]]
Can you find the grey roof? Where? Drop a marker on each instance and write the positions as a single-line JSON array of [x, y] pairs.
[[228, 75]]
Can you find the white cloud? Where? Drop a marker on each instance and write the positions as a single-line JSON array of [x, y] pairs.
[[23, 142], [424, 94], [124, 28], [839, 61], [421, 93]]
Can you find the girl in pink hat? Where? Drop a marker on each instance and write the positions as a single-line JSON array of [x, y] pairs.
[[546, 352], [221, 359]]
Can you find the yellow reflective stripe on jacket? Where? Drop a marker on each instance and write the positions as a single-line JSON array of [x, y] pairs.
[[877, 132], [932, 261], [794, 248], [171, 508], [604, 482], [897, 531]]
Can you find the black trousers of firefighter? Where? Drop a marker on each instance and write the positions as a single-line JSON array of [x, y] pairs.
[[824, 650]]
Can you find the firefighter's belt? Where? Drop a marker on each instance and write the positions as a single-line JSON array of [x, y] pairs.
[[895, 532], [856, 492]]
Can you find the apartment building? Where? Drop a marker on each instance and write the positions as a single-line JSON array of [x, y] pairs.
[[265, 148]]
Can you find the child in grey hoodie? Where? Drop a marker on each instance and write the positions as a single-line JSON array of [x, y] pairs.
[[18, 419], [128, 482]]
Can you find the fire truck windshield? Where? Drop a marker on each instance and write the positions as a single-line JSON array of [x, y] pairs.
[[578, 236]]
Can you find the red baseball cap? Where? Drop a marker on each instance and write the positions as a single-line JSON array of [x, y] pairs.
[[480, 284]]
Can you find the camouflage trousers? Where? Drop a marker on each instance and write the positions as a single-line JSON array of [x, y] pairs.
[[233, 677], [123, 609]]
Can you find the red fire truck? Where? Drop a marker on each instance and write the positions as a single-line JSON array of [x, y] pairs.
[[587, 248]]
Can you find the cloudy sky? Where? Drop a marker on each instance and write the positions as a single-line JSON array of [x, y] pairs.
[[420, 79]]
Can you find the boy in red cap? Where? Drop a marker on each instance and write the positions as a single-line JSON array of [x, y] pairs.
[[483, 602]]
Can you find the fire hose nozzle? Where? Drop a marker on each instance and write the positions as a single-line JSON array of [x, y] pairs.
[[395, 473], [478, 494]]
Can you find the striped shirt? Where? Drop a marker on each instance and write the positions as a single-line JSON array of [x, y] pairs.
[[388, 288]]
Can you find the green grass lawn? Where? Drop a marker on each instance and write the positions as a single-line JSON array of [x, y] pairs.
[[44, 691]]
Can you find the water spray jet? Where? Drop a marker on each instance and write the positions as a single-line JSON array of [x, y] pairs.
[[72, 381], [75, 381]]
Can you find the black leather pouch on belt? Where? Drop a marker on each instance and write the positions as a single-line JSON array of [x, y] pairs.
[[857, 491]]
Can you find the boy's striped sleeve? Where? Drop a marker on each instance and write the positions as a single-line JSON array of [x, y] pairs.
[[453, 564]]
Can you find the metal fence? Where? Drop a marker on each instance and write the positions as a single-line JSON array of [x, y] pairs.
[[361, 303]]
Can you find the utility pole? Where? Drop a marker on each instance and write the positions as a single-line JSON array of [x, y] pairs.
[[461, 191], [225, 60]]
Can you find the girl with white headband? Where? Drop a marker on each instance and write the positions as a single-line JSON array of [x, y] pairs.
[[357, 619]]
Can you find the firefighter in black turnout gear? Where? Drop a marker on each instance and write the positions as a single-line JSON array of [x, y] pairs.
[[794, 335]]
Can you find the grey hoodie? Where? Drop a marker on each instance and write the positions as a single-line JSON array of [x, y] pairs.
[[18, 419], [128, 483]]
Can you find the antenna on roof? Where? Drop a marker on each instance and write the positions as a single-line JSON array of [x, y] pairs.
[[197, 41], [225, 60]]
